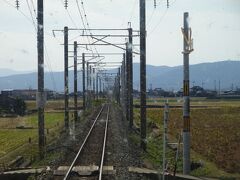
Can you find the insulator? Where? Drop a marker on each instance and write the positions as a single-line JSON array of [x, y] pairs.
[[17, 4], [155, 3], [66, 4], [167, 3]]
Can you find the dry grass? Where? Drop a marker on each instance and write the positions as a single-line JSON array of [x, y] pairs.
[[214, 131]]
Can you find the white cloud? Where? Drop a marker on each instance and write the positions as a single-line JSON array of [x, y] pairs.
[[215, 25]]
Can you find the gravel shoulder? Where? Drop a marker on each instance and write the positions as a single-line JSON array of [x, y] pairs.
[[121, 153]]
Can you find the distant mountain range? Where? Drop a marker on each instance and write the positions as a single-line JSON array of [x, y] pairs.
[[207, 75], [8, 72]]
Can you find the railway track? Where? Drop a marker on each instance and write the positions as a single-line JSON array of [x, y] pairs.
[[92, 150]]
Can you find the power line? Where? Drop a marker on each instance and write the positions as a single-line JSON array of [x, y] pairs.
[[47, 55], [151, 16], [50, 67], [34, 9], [45, 46], [34, 23], [159, 22], [84, 26], [73, 22], [29, 19], [85, 15], [69, 15], [162, 17]]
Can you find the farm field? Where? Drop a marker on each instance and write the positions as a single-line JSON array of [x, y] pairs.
[[215, 135], [19, 134], [52, 105], [194, 102]]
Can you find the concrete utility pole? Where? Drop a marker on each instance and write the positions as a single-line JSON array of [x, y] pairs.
[[83, 81], [90, 83], [40, 95], [124, 86], [103, 87], [97, 86], [187, 49], [90, 78], [75, 82], [66, 89], [100, 86], [165, 122], [130, 90], [87, 84], [119, 85], [128, 82], [94, 83], [143, 73]]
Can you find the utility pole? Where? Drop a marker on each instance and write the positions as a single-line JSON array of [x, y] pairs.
[[75, 82], [90, 81], [130, 90], [94, 83], [143, 73], [187, 49], [124, 86], [83, 81], [90, 77], [100, 86], [40, 95], [103, 86], [127, 82], [87, 84], [119, 85], [166, 113], [97, 86], [66, 89]]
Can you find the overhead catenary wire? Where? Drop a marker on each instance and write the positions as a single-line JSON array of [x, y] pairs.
[[34, 9], [87, 22], [31, 14], [159, 22], [45, 47], [32, 19], [151, 16], [48, 61], [50, 67], [83, 23]]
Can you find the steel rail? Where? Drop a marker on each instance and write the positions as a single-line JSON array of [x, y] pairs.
[[83, 144], [104, 146]]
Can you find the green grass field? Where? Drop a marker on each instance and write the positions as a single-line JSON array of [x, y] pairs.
[[14, 138], [15, 141]]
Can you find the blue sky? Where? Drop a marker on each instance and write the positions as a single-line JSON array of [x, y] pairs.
[[215, 25]]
